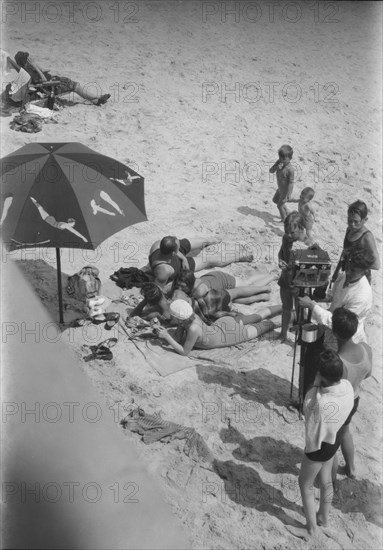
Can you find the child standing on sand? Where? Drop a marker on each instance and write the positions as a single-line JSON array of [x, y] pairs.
[[285, 179], [294, 231], [306, 210]]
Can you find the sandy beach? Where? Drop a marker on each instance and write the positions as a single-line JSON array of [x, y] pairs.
[[202, 96]]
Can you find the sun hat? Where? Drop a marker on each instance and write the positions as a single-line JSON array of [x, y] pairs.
[[181, 310]]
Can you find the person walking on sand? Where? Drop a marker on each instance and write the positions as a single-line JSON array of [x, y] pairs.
[[192, 332], [333, 396], [357, 366], [68, 225], [285, 179]]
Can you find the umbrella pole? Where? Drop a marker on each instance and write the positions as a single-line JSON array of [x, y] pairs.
[[59, 285]]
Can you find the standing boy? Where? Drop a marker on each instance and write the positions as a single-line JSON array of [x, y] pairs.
[[285, 179]]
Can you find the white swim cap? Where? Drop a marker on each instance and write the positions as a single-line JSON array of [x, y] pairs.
[[181, 310]]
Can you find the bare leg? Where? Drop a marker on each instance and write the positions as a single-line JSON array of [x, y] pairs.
[[308, 473], [264, 313], [246, 292], [264, 297], [257, 329], [348, 451], [260, 279], [207, 259], [88, 93], [286, 317], [197, 244], [326, 493]]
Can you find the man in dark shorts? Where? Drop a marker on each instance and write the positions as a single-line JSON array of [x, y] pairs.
[[169, 256]]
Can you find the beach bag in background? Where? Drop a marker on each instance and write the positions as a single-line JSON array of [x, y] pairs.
[[85, 284], [129, 277]]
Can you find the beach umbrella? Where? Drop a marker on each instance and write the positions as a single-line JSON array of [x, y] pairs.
[[65, 195]]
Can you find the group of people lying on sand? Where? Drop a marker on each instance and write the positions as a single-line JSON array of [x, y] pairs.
[[202, 307]]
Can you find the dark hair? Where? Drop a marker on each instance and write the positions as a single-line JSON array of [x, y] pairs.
[[344, 323], [213, 302], [330, 366], [285, 152], [358, 207], [21, 58], [168, 245], [307, 193], [361, 257], [188, 278], [293, 221], [152, 293]]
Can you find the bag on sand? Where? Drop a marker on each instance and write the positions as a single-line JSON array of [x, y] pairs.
[[85, 284]]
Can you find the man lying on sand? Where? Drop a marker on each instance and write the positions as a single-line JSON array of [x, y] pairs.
[[169, 256]]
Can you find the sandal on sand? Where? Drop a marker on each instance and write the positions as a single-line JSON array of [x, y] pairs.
[[102, 350], [111, 319]]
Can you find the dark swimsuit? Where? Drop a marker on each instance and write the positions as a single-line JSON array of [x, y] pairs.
[[173, 261], [350, 246]]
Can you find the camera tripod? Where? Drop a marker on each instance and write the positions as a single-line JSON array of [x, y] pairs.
[[303, 317]]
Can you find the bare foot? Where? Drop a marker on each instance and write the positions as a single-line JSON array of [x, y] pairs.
[[300, 532], [321, 521], [249, 258]]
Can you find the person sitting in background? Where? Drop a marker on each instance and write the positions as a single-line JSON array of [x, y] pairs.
[[357, 366], [63, 85], [16, 81], [352, 291]]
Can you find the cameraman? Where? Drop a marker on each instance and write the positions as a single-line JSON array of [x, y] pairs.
[[352, 291]]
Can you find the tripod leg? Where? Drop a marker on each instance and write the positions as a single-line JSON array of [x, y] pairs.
[[293, 372]]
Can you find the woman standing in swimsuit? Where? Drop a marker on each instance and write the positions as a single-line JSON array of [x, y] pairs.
[[192, 332], [357, 237]]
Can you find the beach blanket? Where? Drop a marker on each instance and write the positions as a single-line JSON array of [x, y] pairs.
[[165, 361]]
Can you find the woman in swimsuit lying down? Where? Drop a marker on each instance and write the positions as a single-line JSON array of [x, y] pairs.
[[240, 292], [192, 332], [154, 304]]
